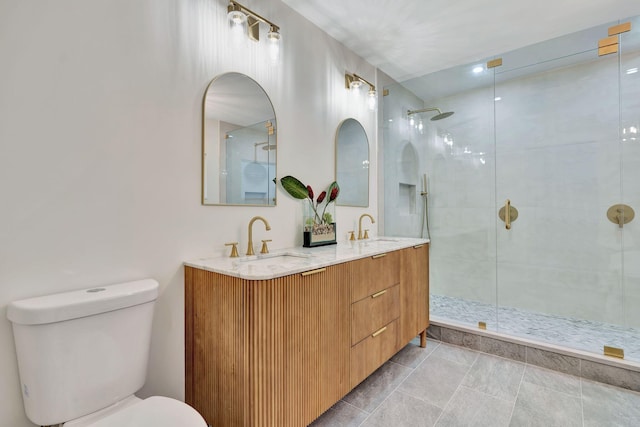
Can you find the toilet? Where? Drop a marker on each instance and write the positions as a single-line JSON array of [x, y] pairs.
[[83, 354]]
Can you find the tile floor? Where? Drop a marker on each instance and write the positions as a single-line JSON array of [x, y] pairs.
[[447, 385]]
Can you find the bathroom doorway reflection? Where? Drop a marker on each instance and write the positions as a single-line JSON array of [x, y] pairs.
[[552, 131]]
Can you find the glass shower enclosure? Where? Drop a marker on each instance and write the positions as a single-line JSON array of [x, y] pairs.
[[549, 134]]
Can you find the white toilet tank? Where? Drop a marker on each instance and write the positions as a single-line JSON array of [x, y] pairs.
[[81, 351]]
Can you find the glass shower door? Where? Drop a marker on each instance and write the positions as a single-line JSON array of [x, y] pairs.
[[630, 167], [558, 158]]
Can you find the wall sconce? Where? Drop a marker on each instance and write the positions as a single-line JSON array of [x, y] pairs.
[[243, 20], [354, 81]]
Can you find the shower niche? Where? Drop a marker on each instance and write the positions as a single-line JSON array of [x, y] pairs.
[[406, 199]]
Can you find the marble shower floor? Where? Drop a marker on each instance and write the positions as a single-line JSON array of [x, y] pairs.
[[572, 333], [446, 385]]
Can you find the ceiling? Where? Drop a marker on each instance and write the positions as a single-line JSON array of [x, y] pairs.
[[408, 39]]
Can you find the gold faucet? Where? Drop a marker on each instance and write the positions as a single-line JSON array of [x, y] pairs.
[[360, 226], [267, 226]]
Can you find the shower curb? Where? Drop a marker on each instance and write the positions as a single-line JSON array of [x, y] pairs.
[[617, 372]]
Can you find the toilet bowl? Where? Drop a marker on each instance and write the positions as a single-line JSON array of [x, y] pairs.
[[156, 411], [83, 354]]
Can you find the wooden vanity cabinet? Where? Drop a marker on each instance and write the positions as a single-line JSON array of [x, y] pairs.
[[266, 352], [280, 352]]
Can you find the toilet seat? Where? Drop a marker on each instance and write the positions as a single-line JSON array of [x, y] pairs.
[[156, 411]]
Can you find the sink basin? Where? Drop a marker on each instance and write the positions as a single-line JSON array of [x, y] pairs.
[[274, 259], [379, 239]]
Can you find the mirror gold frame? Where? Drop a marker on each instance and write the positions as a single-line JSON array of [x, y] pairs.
[[239, 143], [352, 164]]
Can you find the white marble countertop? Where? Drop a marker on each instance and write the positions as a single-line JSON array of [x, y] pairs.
[[284, 262]]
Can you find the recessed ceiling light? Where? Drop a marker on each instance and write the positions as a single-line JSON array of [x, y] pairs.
[[478, 69], [497, 98], [632, 70]]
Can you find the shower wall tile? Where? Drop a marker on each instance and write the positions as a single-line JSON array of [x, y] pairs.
[[554, 361], [469, 279], [567, 176], [632, 293], [545, 109], [571, 293], [611, 375], [462, 233]]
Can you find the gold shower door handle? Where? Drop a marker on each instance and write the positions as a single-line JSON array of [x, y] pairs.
[[508, 214]]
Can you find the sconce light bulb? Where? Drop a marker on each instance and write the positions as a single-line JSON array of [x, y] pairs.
[[236, 17], [411, 121], [420, 125], [355, 85], [274, 41], [372, 99]]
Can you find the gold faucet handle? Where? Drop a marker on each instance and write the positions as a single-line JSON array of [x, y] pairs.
[[234, 249], [352, 235], [366, 234], [265, 249]]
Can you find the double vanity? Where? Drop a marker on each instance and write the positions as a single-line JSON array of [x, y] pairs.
[[276, 339]]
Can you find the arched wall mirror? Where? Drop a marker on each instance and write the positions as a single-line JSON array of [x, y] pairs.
[[239, 141], [352, 164]]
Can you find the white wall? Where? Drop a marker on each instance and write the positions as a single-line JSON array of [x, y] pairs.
[[100, 122]]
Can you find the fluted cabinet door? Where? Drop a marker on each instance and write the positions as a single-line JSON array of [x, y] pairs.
[[414, 292]]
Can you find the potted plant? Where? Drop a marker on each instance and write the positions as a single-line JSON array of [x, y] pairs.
[[319, 227]]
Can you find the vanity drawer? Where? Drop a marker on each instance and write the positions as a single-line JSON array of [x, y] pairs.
[[373, 312], [370, 353], [375, 273]]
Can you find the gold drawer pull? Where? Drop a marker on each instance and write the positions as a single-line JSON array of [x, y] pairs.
[[378, 332], [378, 256], [417, 246], [310, 272], [377, 294]]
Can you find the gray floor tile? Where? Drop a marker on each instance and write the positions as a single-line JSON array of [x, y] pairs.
[[402, 410], [435, 380], [541, 406], [495, 376], [412, 354], [605, 405], [473, 408], [341, 414], [375, 389], [455, 354], [553, 380]]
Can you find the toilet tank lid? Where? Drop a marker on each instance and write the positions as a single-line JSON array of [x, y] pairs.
[[82, 303]]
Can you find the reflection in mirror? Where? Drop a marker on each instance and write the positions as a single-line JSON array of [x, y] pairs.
[[238, 143], [352, 164]]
